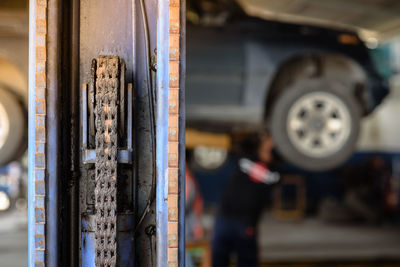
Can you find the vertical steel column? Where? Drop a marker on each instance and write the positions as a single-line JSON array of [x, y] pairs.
[[176, 173], [145, 239], [37, 132], [44, 93], [170, 125], [53, 111], [74, 222], [162, 133], [45, 160], [31, 129], [182, 127]]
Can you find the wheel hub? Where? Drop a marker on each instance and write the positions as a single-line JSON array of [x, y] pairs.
[[318, 124]]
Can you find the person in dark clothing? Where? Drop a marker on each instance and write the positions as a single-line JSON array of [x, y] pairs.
[[241, 206]]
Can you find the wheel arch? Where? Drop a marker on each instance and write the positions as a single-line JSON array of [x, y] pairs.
[[334, 65]]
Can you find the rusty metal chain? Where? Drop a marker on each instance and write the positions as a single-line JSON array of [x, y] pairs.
[[106, 110]]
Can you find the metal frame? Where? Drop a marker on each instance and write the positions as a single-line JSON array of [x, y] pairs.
[[182, 141], [53, 68], [162, 133], [89, 155], [43, 242], [31, 129], [44, 66]]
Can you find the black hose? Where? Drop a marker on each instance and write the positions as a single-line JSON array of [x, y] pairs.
[[151, 111]]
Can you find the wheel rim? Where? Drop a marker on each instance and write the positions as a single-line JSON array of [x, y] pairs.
[[210, 157], [318, 124], [4, 201], [4, 125]]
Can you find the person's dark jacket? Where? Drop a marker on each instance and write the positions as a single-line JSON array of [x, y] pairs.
[[247, 191]]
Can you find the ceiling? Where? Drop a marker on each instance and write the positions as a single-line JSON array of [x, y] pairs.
[[373, 19]]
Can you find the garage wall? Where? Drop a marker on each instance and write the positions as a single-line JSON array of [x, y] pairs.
[[380, 131]]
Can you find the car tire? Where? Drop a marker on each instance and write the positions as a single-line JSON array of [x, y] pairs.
[[13, 127], [315, 123]]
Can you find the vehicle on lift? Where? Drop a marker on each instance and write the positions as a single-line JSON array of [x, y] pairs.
[[310, 86], [11, 186], [13, 80]]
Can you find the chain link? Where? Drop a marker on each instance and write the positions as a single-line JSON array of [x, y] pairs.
[[106, 110]]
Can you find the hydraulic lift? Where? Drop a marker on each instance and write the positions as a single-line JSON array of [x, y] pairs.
[[106, 133]]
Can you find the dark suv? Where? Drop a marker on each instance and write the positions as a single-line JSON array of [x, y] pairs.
[[308, 85]]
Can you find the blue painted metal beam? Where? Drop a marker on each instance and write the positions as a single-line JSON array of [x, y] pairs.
[[53, 112], [162, 133], [31, 129]]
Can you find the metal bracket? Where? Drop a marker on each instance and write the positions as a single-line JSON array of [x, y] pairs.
[[89, 155]]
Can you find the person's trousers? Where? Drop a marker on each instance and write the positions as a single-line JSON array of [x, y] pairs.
[[233, 237]]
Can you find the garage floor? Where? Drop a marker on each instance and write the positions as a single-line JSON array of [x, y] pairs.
[[311, 239], [306, 243], [13, 239]]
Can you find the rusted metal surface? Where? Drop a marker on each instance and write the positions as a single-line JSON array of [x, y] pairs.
[[124, 239], [176, 142], [145, 243], [72, 229], [173, 132], [105, 190], [104, 27], [106, 122]]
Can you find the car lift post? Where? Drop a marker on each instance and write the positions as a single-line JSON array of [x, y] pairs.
[[65, 108]]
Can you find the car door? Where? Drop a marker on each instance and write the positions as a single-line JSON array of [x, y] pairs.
[[215, 65]]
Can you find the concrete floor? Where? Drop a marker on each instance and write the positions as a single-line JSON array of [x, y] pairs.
[[311, 239], [13, 239]]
